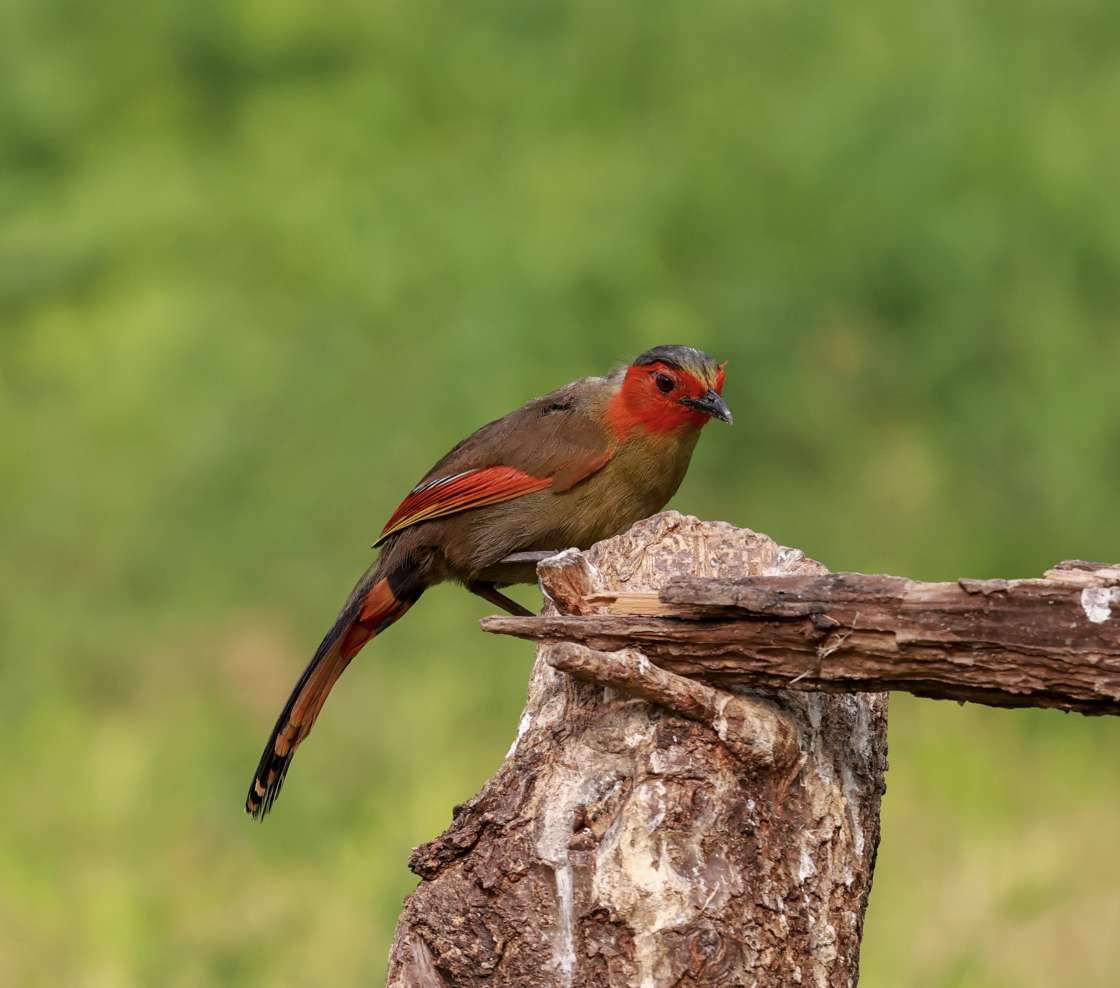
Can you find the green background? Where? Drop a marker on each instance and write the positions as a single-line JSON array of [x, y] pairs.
[[262, 262]]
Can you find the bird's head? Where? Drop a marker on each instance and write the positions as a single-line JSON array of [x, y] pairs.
[[669, 389]]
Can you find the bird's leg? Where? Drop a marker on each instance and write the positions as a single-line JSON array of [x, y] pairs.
[[487, 591], [518, 567], [522, 558]]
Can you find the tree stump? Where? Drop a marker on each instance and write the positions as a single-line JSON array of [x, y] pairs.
[[649, 830]]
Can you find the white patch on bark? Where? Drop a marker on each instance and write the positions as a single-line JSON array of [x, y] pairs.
[[566, 945], [1097, 602], [721, 720], [522, 727], [861, 746], [635, 878], [805, 868], [659, 807], [635, 739], [552, 847], [787, 559], [824, 954]]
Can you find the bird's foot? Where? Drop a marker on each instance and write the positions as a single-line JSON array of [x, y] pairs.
[[487, 591]]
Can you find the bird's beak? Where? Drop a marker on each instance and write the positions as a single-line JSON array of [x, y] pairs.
[[710, 404]]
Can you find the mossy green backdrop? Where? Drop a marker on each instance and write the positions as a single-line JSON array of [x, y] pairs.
[[262, 262]]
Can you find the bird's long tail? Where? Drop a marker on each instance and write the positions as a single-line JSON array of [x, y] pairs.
[[378, 601]]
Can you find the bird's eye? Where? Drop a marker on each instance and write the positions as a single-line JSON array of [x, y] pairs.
[[664, 383]]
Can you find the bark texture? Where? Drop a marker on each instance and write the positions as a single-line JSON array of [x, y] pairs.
[[649, 830], [1052, 642]]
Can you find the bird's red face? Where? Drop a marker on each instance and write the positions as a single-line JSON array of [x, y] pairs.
[[661, 397]]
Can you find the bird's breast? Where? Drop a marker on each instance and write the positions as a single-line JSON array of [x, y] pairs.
[[638, 482]]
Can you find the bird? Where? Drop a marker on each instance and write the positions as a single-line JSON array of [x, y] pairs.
[[568, 469]]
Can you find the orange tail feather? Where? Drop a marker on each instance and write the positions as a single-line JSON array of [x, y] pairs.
[[364, 617]]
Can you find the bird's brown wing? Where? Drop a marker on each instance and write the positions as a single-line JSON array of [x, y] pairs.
[[551, 443]]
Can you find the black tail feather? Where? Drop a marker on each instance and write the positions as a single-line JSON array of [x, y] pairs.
[[375, 603], [273, 768]]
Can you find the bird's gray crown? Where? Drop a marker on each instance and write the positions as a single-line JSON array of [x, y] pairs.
[[687, 358]]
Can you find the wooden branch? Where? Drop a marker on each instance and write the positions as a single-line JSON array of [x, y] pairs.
[[1052, 642]]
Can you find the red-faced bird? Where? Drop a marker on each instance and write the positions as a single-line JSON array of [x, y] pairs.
[[579, 465]]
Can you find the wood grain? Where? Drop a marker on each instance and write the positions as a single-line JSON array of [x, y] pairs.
[[1050, 642]]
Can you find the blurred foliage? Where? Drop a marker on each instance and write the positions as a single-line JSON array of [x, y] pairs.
[[262, 262]]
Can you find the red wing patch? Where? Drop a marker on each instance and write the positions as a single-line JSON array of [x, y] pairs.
[[461, 492]]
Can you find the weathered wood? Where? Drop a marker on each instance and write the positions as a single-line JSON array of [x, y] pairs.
[[709, 837], [1051, 642], [754, 731]]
